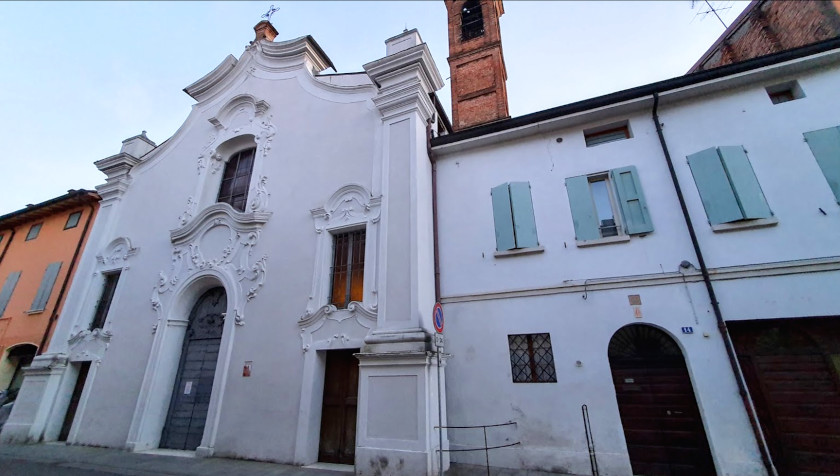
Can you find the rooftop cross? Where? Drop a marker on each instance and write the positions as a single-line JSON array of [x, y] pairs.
[[271, 10]]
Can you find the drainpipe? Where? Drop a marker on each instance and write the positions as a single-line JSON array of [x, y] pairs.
[[8, 244], [434, 208], [721, 324], [73, 261]]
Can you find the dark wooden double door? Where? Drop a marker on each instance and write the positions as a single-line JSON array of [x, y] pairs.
[[792, 369], [338, 413], [662, 424], [190, 401]]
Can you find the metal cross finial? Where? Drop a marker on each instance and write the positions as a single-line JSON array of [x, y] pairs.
[[271, 10]]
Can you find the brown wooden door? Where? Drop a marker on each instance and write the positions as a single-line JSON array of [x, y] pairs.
[[662, 424], [791, 369], [338, 415], [84, 367], [190, 402]]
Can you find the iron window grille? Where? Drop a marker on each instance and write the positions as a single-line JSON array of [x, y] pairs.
[[348, 268], [531, 358], [236, 179]]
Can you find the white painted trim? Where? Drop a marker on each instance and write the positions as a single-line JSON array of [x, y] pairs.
[[519, 252], [745, 224], [815, 265], [602, 241]]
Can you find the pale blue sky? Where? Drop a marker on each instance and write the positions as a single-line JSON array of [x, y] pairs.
[[79, 77]]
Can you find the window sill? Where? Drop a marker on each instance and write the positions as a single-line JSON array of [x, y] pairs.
[[745, 224], [603, 241], [33, 311], [518, 252]]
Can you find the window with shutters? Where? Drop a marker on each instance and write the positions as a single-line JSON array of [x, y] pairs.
[[825, 145], [729, 189], [531, 358], [45, 289], [608, 207], [105, 299], [513, 217], [34, 230], [73, 220], [348, 268], [236, 179], [7, 290]]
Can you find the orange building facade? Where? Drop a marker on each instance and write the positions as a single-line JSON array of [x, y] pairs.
[[40, 246]]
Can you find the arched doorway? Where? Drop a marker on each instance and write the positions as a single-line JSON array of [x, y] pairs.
[[190, 401], [20, 356], [662, 425]]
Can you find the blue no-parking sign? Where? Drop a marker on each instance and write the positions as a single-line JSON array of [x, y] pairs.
[[437, 317]]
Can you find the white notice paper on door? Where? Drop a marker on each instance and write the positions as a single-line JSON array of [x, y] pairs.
[[188, 387]]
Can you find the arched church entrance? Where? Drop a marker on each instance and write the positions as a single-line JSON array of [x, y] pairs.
[[190, 401], [662, 424]]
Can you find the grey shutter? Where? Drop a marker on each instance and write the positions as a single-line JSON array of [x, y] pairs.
[[503, 218], [8, 289], [583, 209], [744, 183], [524, 224], [715, 189], [631, 200], [45, 289], [825, 145]]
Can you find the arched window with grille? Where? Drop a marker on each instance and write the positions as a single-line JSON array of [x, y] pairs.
[[236, 179], [472, 21]]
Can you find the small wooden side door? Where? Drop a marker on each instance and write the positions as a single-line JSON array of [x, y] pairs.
[[338, 414]]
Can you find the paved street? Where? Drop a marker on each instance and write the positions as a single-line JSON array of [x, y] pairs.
[[55, 459]]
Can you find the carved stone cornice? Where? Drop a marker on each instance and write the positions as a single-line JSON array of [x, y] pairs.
[[363, 319], [117, 253], [198, 89], [406, 79], [383, 70], [292, 54], [214, 215]]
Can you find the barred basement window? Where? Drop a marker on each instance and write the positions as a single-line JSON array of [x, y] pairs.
[[531, 358]]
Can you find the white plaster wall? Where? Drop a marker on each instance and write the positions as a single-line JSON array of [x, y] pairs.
[[322, 143], [548, 415], [790, 178], [465, 214]]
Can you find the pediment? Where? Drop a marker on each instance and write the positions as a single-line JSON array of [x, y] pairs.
[[218, 214]]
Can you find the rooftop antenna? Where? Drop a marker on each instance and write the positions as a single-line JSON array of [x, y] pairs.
[[712, 9], [271, 10]]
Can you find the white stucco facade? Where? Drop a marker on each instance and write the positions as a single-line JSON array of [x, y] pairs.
[[340, 153], [582, 295]]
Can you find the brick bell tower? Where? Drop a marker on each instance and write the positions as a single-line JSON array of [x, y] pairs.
[[476, 62]]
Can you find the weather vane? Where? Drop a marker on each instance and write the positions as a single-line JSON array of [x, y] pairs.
[[267, 15]]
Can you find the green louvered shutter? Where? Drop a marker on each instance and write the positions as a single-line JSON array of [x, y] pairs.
[[8, 289], [583, 209], [46, 287], [631, 199], [503, 218], [524, 224], [744, 183], [825, 145], [715, 189]]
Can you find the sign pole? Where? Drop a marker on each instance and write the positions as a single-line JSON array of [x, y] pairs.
[[437, 321]]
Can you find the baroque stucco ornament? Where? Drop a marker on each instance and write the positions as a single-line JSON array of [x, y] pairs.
[[218, 240], [116, 253], [243, 114]]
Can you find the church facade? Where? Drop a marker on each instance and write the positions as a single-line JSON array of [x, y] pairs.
[[639, 283]]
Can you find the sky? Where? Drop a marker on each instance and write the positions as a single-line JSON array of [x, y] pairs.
[[77, 78]]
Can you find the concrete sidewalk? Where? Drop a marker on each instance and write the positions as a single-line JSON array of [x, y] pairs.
[[58, 458]]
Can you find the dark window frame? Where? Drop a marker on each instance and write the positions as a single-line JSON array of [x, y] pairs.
[[348, 267], [472, 21], [540, 358], [70, 222], [34, 231], [237, 171], [605, 136], [109, 288]]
